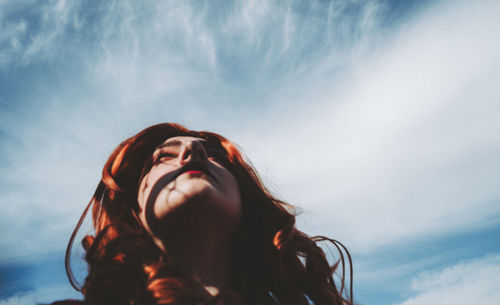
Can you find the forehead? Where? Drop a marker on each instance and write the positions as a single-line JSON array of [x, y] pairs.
[[183, 139]]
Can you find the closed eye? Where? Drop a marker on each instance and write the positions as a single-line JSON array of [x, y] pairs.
[[164, 156], [216, 154]]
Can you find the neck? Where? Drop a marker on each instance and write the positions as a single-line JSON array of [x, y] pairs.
[[205, 259]]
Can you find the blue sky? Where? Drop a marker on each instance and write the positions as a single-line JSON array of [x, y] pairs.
[[379, 119]]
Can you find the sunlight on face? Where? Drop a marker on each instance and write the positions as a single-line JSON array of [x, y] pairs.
[[186, 178]]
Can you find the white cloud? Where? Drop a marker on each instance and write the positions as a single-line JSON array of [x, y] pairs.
[[33, 40], [406, 146], [378, 145], [138, 64], [20, 299], [468, 282], [44, 295], [389, 151]]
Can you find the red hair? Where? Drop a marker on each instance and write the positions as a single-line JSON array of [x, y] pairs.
[[271, 261]]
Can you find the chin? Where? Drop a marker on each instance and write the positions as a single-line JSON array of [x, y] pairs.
[[205, 204]]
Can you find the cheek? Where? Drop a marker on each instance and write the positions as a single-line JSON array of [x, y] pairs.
[[158, 171], [232, 191], [141, 191], [149, 180], [141, 200]]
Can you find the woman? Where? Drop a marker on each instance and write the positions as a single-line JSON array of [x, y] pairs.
[[181, 218]]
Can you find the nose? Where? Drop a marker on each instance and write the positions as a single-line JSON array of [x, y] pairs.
[[193, 151]]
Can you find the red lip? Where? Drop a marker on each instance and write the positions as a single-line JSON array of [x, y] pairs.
[[194, 172]]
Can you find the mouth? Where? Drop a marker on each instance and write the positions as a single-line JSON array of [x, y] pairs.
[[196, 167], [193, 172], [191, 167]]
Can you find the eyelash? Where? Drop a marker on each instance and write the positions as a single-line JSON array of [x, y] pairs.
[[216, 155], [213, 154], [164, 155]]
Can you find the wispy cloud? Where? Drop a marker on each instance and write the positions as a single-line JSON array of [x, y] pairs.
[[108, 69], [22, 299], [381, 134], [468, 282], [390, 146], [406, 148], [44, 295]]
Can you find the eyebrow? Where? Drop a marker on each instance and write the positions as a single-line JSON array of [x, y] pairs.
[[178, 143], [168, 144]]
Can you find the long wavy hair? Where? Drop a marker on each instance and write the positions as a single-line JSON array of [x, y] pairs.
[[271, 262]]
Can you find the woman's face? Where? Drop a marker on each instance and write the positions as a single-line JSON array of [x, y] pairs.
[[186, 178]]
